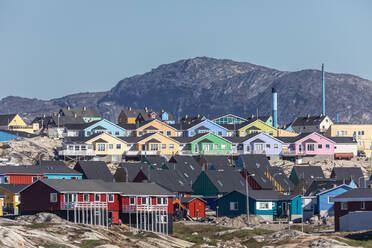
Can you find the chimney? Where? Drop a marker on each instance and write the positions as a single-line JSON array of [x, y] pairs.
[[186, 116], [44, 115], [75, 115], [252, 116], [275, 107], [146, 109], [308, 116], [85, 108], [130, 108], [198, 115], [68, 108], [323, 91]]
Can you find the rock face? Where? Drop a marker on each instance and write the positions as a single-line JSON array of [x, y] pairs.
[[212, 86]]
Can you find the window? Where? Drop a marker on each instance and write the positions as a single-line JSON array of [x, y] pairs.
[[223, 146], [111, 198], [215, 146], [276, 146], [154, 147], [343, 205], [186, 175], [83, 148], [168, 133], [77, 148], [271, 133], [337, 133], [6, 180], [97, 197], [363, 205], [71, 148], [53, 197], [70, 197], [310, 147], [234, 206], [264, 205], [320, 146], [268, 146], [118, 146], [117, 133], [192, 167], [101, 147], [34, 179], [163, 146], [330, 199], [162, 201], [171, 146], [132, 200], [328, 146], [220, 133], [144, 200], [86, 197], [140, 133], [111, 146]]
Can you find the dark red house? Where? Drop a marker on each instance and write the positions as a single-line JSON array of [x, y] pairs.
[[193, 207], [144, 205], [353, 210]]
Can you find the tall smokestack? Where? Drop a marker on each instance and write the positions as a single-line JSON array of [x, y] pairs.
[[275, 107], [323, 92]]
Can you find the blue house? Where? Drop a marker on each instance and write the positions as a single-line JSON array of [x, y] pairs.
[[268, 204], [205, 126], [167, 117], [325, 205], [105, 126]]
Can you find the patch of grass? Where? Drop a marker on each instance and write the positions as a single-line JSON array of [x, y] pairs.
[[53, 246], [90, 243], [244, 234], [185, 232], [363, 239], [252, 243], [38, 225]]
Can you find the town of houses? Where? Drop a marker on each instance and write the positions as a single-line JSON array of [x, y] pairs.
[[178, 169]]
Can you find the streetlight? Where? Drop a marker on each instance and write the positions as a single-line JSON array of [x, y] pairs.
[[360, 183], [247, 191]]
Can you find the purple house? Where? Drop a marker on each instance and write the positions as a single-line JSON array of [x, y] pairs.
[[256, 143], [310, 144]]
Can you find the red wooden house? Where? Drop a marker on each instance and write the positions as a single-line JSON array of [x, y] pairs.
[[194, 207], [143, 205], [19, 174]]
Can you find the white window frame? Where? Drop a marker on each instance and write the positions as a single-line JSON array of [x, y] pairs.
[[34, 179], [223, 146], [215, 146], [260, 206], [7, 180], [53, 197], [111, 146], [163, 146], [86, 197], [147, 201], [234, 206], [95, 197], [130, 200], [330, 198], [111, 196], [344, 207], [171, 146], [363, 205]]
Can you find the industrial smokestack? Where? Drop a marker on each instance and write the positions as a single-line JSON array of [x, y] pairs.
[[323, 92], [275, 107]]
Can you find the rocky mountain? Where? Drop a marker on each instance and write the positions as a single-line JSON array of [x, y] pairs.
[[213, 87]]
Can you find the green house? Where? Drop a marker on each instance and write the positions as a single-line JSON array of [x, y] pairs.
[[204, 144]]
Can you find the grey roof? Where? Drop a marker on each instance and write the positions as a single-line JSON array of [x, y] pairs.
[[237, 139], [265, 195], [343, 140], [156, 161], [292, 139], [68, 185], [132, 168], [64, 120], [262, 118], [227, 180], [51, 163], [308, 121], [35, 169], [94, 170], [189, 139], [279, 175], [79, 126], [14, 188], [318, 186], [356, 193], [308, 173], [137, 188], [219, 162], [6, 119], [135, 139], [80, 112], [258, 141], [348, 174], [128, 126], [257, 164]]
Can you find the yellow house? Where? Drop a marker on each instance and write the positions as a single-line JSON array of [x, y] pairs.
[[156, 126], [362, 133], [257, 126], [285, 133], [105, 144], [15, 122], [1, 205], [12, 197], [153, 144]]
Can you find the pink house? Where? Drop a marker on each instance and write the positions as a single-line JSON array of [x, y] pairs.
[[308, 144]]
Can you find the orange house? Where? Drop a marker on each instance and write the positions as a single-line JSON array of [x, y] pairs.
[[195, 206], [156, 126]]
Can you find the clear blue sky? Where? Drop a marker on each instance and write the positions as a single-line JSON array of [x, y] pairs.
[[52, 48]]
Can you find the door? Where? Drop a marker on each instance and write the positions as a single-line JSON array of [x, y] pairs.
[[115, 217]]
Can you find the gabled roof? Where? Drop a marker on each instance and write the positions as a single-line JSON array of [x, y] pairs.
[[168, 179], [308, 173], [253, 128], [132, 168], [343, 140], [348, 174], [227, 180], [228, 115], [265, 195], [321, 185], [189, 168], [309, 141], [151, 127], [95, 170], [6, 119], [308, 120], [262, 118], [100, 141], [13, 188], [134, 189], [154, 160], [358, 194], [279, 175], [294, 139], [202, 128], [79, 126], [258, 141], [219, 162], [80, 112]]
